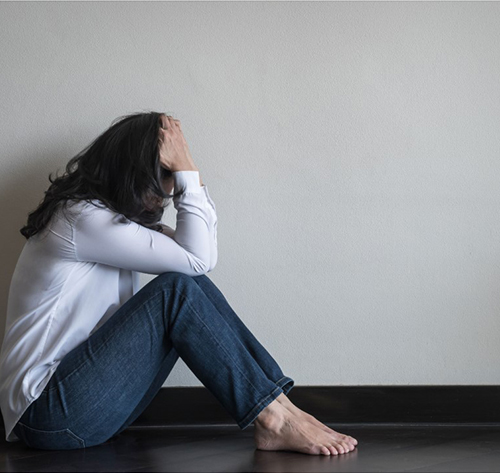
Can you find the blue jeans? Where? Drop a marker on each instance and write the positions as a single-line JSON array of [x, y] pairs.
[[105, 383]]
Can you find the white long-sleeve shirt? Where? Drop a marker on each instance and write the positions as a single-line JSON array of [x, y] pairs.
[[73, 276]]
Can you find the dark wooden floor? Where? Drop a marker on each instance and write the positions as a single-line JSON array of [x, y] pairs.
[[383, 448]]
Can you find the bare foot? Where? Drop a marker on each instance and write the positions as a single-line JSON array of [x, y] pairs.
[[283, 399], [277, 428]]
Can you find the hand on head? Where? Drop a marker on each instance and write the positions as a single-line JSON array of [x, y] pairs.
[[174, 150]]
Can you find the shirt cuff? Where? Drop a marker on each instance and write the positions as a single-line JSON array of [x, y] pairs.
[[187, 181]]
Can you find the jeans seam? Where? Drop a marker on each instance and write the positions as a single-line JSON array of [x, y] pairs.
[[285, 380], [215, 338], [125, 425], [269, 396], [278, 383], [66, 430], [78, 438]]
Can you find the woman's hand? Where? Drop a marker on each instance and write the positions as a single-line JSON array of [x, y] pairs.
[[174, 151]]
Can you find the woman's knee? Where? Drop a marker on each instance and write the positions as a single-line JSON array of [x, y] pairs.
[[174, 279]]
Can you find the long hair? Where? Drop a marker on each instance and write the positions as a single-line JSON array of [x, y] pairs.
[[121, 168]]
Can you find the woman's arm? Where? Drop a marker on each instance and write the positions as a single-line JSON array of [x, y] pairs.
[[168, 185], [170, 232], [101, 237]]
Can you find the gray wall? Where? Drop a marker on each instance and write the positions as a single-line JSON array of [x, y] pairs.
[[352, 150]]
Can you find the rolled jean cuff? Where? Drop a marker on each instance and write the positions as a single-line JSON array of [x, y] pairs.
[[286, 384], [252, 415]]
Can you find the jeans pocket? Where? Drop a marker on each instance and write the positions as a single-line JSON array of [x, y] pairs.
[[63, 439]]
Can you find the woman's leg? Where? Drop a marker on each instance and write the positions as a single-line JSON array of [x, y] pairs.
[[152, 391], [254, 347], [267, 363], [100, 384], [260, 354]]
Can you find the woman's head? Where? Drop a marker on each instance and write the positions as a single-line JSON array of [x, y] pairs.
[[120, 168]]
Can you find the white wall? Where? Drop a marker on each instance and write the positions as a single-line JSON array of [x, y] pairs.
[[352, 150]]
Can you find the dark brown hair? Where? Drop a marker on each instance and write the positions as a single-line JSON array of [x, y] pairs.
[[121, 168]]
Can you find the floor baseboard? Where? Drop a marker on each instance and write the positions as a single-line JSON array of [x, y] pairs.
[[458, 404], [341, 404]]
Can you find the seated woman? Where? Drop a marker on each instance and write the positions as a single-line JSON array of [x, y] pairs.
[[86, 350]]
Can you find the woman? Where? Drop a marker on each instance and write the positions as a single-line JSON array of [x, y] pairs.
[[85, 351]]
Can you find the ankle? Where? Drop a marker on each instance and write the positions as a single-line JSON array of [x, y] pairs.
[[272, 416]]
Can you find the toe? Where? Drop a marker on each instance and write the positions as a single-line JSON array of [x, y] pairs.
[[324, 450], [333, 450], [347, 447], [352, 440], [349, 441]]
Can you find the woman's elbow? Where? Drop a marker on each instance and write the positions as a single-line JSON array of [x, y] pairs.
[[201, 265], [204, 263]]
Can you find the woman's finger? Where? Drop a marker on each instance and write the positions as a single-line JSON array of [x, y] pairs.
[[174, 121], [164, 122], [171, 122], [163, 133]]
